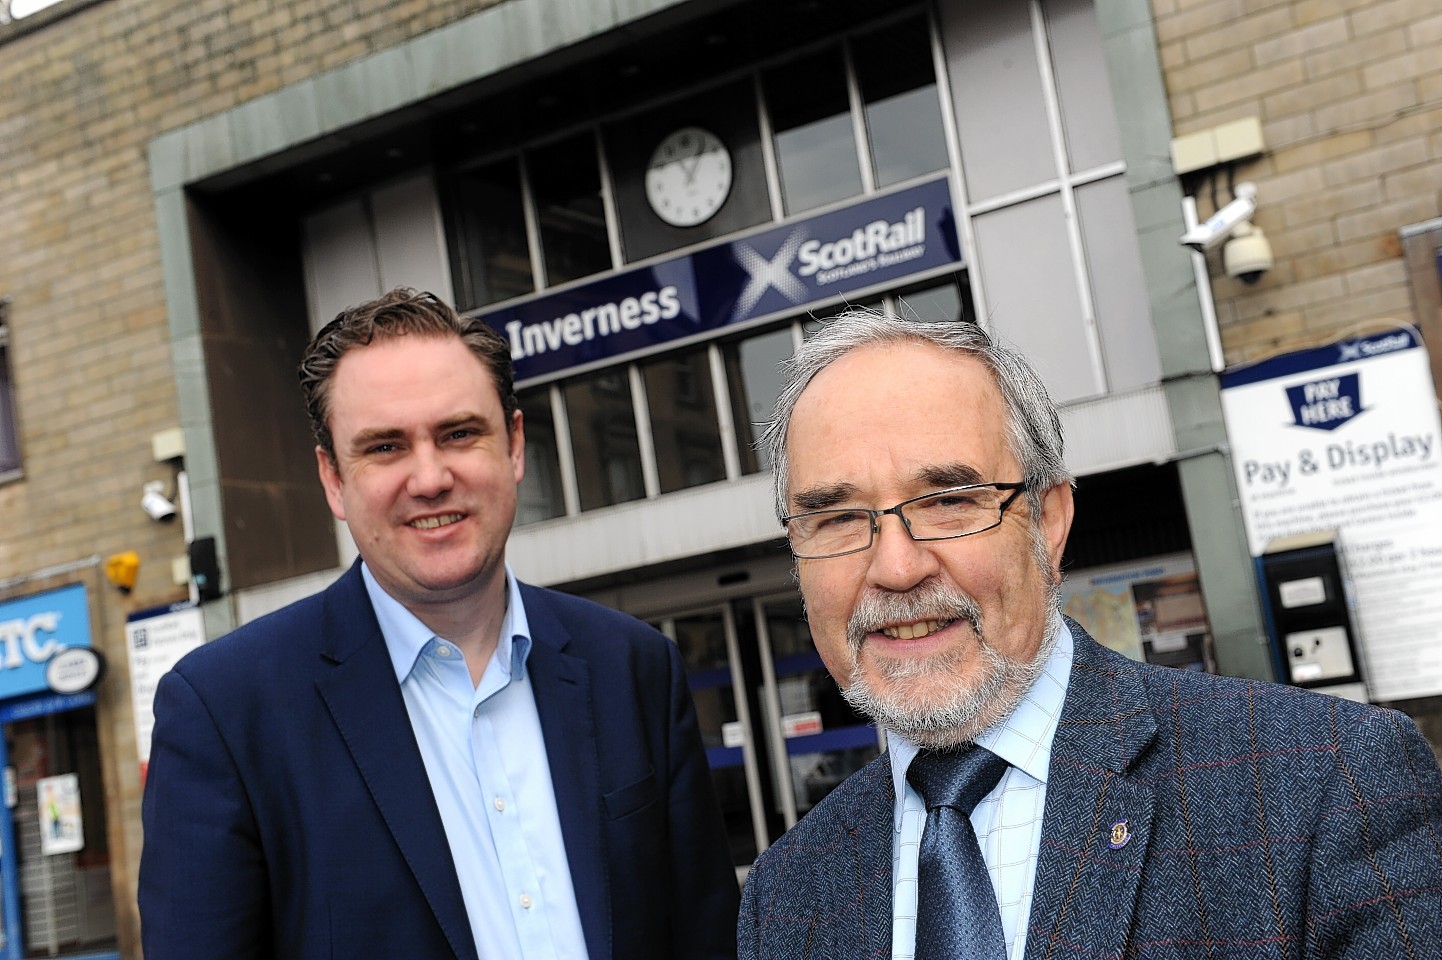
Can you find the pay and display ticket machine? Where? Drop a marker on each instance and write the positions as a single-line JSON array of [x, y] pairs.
[[1309, 616]]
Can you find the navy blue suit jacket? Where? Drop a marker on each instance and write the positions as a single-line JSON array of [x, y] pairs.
[[288, 814], [1265, 823]]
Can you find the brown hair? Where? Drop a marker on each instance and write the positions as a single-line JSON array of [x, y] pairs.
[[401, 312]]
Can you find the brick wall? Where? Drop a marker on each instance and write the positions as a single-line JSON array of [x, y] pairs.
[[86, 86], [1349, 93]]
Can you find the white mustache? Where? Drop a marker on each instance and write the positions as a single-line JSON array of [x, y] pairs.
[[932, 600]]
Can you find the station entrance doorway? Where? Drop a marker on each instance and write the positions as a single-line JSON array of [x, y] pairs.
[[778, 734]]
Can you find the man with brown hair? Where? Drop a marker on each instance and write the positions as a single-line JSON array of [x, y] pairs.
[[429, 759]]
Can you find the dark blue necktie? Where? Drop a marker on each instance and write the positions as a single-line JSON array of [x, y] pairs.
[[956, 911]]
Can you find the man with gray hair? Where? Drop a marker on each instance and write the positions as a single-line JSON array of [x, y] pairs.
[[1042, 796]]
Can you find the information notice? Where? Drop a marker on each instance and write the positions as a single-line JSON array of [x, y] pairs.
[[1346, 437], [154, 641]]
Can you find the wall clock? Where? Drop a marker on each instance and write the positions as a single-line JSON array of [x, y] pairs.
[[689, 177]]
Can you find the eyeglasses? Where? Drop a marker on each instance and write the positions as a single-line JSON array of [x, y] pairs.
[[943, 515]]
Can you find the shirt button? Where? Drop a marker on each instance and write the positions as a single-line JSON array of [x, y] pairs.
[[444, 651], [476, 713], [500, 805], [525, 901]]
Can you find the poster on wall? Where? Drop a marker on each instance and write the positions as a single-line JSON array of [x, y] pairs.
[[1346, 437], [1148, 610], [58, 799], [155, 640]]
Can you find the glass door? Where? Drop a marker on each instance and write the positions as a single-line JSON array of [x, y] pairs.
[[817, 738], [56, 863], [711, 651], [778, 734]]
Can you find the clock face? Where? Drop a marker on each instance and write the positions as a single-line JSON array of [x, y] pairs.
[[689, 177]]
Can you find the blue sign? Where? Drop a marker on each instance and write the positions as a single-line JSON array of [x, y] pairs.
[[878, 240], [34, 629], [1343, 351], [1328, 403]]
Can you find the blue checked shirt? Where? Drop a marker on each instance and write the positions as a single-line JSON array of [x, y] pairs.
[[1007, 820]]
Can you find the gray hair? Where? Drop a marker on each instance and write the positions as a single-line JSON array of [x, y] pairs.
[[1033, 424]]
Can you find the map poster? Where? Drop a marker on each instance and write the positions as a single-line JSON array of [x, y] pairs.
[[1148, 610], [1346, 438]]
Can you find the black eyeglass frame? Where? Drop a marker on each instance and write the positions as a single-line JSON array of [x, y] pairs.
[[1017, 489]]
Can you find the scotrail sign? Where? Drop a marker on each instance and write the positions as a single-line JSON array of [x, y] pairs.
[[875, 241]]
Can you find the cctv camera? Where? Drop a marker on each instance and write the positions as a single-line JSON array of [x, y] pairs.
[[1247, 255], [1219, 226], [155, 503]]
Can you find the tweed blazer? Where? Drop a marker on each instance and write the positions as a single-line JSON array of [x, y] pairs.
[[1188, 816]]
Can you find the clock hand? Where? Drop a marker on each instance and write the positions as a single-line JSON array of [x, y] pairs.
[[689, 169]]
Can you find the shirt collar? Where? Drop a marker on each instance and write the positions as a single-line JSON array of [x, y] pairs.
[[1023, 739], [406, 637]]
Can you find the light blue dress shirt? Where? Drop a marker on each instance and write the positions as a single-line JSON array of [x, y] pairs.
[[486, 760], [1007, 820]]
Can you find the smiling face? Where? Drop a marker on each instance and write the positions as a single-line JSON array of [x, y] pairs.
[[425, 470], [936, 640]]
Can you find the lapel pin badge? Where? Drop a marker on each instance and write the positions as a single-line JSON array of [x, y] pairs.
[[1121, 836]]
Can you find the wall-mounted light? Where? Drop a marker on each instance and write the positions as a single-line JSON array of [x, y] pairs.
[[121, 569]]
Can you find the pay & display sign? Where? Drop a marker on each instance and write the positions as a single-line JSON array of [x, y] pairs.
[[1346, 437]]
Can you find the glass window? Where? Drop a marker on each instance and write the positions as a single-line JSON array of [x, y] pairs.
[[818, 318], [943, 301], [702, 641], [1030, 283], [811, 122], [603, 439], [489, 251], [903, 115], [540, 495], [753, 373], [9, 430], [1119, 289], [1088, 113], [682, 403], [841, 741], [566, 187], [729, 114], [996, 92]]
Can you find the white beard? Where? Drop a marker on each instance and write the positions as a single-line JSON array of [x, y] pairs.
[[965, 691]]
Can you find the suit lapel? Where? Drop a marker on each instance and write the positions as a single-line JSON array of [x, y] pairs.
[[562, 687], [358, 684], [1097, 824], [868, 824]]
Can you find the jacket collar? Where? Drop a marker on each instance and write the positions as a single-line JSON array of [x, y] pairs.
[[1096, 828]]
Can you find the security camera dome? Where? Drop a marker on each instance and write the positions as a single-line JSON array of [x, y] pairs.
[[1247, 255]]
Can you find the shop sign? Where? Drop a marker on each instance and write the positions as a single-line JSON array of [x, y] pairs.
[[74, 670], [878, 240], [155, 640], [1346, 437], [36, 628]]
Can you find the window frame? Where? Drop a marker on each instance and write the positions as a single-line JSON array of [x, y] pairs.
[[9, 416]]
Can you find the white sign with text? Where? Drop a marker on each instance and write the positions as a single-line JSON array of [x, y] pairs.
[[155, 641], [1346, 437]]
